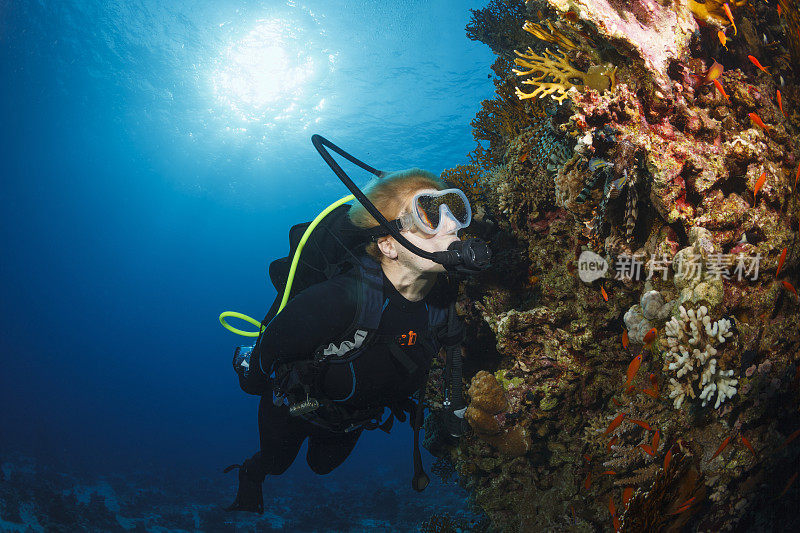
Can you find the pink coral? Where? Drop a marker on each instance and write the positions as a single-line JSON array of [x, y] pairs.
[[656, 34]]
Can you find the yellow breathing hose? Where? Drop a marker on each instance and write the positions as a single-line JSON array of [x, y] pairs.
[[290, 279]]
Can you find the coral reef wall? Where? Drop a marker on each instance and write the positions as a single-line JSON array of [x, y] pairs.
[[632, 358]]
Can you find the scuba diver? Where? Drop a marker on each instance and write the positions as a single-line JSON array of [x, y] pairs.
[[358, 340]]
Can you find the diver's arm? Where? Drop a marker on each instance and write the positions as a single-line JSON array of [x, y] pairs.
[[317, 315]]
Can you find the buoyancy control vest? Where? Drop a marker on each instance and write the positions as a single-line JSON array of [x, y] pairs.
[[298, 383]]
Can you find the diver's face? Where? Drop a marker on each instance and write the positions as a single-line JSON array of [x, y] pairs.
[[439, 242]]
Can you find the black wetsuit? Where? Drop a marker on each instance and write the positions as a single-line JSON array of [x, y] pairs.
[[316, 316]]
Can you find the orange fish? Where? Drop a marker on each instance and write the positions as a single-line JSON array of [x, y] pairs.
[[688, 502], [780, 103], [615, 423], [614, 519], [718, 85], [667, 458], [633, 367], [588, 481], [713, 72], [625, 335], [788, 286], [754, 61], [652, 392], [626, 496], [721, 447], [759, 183], [685, 506], [757, 120], [647, 449], [730, 16], [650, 336], [612, 442], [608, 473], [603, 292], [641, 423], [790, 439], [797, 175], [523, 157], [789, 484], [656, 440], [722, 38], [780, 261], [749, 446], [680, 510], [779, 10]]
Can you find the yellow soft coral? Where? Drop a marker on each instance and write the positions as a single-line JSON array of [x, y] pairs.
[[712, 12], [564, 76], [551, 35]]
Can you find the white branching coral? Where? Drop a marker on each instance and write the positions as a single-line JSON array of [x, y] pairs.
[[693, 342]]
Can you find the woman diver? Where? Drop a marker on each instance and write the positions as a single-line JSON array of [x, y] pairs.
[[338, 360]]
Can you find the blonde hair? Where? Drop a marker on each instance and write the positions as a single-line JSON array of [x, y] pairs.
[[391, 195]]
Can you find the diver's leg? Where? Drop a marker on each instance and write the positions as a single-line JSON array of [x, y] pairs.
[[327, 450], [281, 437]]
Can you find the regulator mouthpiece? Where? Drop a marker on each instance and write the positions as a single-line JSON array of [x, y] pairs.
[[467, 257]]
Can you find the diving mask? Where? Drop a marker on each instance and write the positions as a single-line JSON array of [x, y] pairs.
[[465, 257], [430, 209]]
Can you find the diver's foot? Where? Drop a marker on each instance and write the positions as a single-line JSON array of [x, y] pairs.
[[249, 497]]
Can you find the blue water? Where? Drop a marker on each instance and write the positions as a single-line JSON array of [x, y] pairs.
[[153, 156]]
